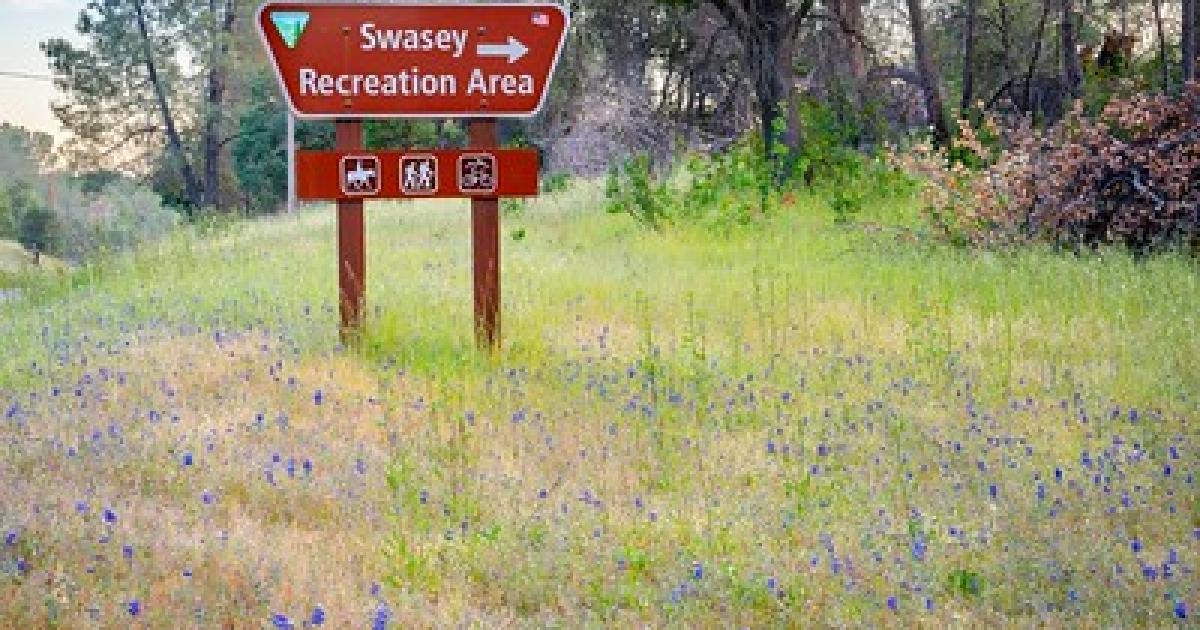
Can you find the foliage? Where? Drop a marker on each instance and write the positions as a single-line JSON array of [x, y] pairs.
[[110, 103], [741, 186], [33, 222], [415, 133], [1126, 176], [965, 583], [634, 189], [8, 218], [22, 153], [260, 149], [121, 216], [556, 183]]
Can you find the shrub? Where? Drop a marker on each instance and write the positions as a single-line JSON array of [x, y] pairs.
[[1127, 176], [25, 217], [120, 217], [36, 230], [634, 189], [739, 186]]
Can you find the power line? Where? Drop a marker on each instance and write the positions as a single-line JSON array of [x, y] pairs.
[[26, 75]]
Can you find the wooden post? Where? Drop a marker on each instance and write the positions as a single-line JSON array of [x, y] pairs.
[[352, 251], [485, 240]]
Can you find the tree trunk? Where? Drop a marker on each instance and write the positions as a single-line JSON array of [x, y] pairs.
[[931, 82], [1162, 45], [1072, 69], [968, 88], [850, 15], [191, 185], [215, 100], [1188, 40], [768, 30], [1033, 59]]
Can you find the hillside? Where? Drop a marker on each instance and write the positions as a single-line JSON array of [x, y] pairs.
[[802, 420], [15, 259]]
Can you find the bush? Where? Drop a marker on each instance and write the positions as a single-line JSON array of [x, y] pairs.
[[634, 189], [1127, 176], [25, 218], [122, 216], [740, 186], [36, 230]]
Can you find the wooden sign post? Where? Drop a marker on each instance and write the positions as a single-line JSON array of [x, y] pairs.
[[485, 244], [352, 247], [351, 61]]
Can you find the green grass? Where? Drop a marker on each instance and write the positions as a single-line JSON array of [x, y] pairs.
[[786, 426]]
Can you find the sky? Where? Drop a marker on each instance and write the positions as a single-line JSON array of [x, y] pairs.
[[23, 25]]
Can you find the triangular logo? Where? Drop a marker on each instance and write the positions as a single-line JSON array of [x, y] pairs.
[[290, 25]]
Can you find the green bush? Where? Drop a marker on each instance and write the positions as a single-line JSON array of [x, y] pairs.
[[634, 189], [35, 225], [741, 186]]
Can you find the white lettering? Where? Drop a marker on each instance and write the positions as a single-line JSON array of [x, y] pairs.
[[505, 84], [308, 81], [412, 40], [367, 30], [460, 42], [404, 83]]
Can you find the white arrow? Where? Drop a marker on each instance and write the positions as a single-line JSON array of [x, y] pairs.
[[514, 49]]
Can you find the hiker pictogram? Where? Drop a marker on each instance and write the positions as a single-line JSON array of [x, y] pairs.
[[360, 175], [418, 174], [477, 173]]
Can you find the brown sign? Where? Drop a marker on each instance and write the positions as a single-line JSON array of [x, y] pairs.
[[384, 60], [324, 175]]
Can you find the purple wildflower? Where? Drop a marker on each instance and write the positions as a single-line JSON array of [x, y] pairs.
[[382, 616]]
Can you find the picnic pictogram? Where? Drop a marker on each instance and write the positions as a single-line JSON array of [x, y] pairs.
[[418, 174], [360, 175]]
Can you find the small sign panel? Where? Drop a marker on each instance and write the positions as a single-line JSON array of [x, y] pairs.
[[477, 173], [419, 174], [360, 175], [371, 60]]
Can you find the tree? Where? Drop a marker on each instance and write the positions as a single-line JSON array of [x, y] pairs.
[[218, 23], [931, 81], [260, 145], [124, 86], [768, 31], [34, 221], [23, 153], [1071, 67], [192, 186], [968, 80], [1187, 44]]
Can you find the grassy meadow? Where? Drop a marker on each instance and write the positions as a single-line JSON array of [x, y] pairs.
[[803, 424]]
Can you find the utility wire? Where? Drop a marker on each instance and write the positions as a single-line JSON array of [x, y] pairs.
[[26, 75]]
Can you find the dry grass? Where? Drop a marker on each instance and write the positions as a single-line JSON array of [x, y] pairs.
[[773, 430]]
